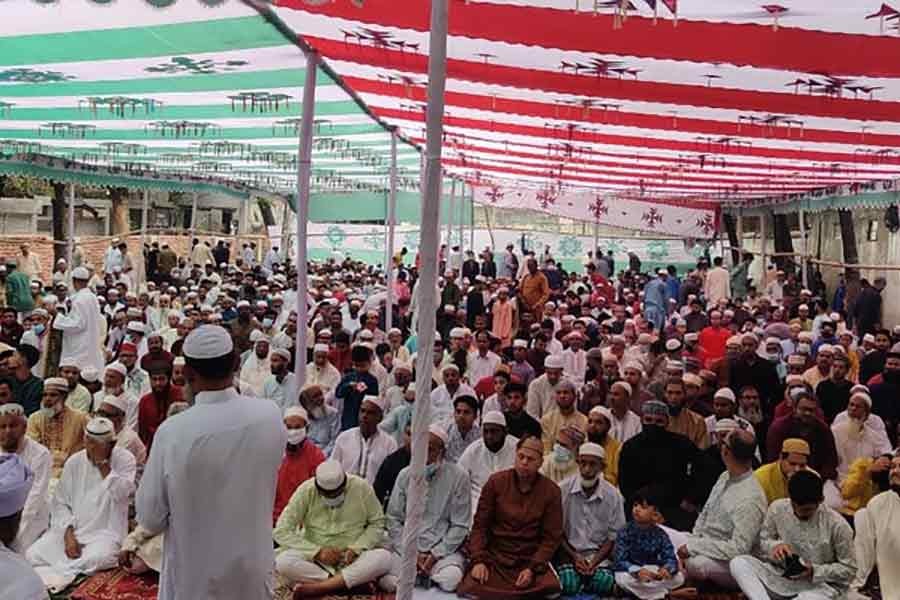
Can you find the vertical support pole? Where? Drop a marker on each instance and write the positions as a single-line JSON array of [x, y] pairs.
[[70, 243], [472, 219], [430, 232], [194, 217], [596, 241], [451, 209], [142, 268], [304, 170], [762, 238], [462, 218], [286, 232], [803, 248], [389, 246]]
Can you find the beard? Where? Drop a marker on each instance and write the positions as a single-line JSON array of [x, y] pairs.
[[597, 437]]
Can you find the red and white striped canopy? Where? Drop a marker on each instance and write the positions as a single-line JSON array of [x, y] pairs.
[[561, 105]]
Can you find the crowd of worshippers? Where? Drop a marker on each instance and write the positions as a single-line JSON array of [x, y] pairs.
[[590, 432]]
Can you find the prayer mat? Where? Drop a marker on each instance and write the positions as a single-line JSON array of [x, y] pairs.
[[118, 585], [284, 591]]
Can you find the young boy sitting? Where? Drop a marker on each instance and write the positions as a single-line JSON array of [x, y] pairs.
[[645, 562]]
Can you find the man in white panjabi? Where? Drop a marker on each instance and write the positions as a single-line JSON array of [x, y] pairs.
[[256, 367], [361, 450], [542, 391], [113, 408], [321, 372], [36, 513], [82, 325], [217, 545], [878, 537], [89, 516], [495, 451], [114, 385], [19, 581]]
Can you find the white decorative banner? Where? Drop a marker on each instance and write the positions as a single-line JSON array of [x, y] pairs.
[[687, 218]]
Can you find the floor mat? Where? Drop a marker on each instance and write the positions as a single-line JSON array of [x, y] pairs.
[[117, 585]]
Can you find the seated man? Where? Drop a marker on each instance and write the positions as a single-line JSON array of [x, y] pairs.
[[36, 514], [560, 463], [517, 530], [301, 458], [593, 512], [324, 422], [495, 451], [599, 425], [799, 530], [114, 408], [563, 415], [78, 396], [154, 406], [804, 424], [56, 426], [277, 387], [391, 467], [362, 449], [774, 476], [729, 523], [329, 532], [19, 579], [877, 534], [445, 523], [90, 510], [463, 429], [518, 422]]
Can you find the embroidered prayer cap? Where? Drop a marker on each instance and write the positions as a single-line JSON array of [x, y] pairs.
[[207, 341], [655, 407], [15, 483], [100, 429], [440, 432], [623, 385], [68, 362], [12, 409], [493, 417], [296, 411], [59, 384], [330, 475], [554, 361], [726, 394], [795, 446], [592, 449]]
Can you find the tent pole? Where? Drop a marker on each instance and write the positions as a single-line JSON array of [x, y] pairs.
[[450, 214], [472, 219], [70, 243], [762, 235], [389, 246], [142, 272], [803, 266], [304, 170], [595, 250], [430, 238], [462, 218], [193, 217]]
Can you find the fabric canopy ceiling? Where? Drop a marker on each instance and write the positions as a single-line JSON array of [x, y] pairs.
[[564, 105], [191, 88]]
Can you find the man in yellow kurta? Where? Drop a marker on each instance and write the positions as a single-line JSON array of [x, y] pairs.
[[599, 424], [773, 477], [682, 419], [56, 426], [329, 534], [564, 415], [535, 289]]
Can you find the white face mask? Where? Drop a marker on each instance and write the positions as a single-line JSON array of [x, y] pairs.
[[296, 436], [335, 502]]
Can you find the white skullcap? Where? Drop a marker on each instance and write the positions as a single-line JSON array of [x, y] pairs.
[[207, 341], [39, 312], [734, 340], [100, 429], [116, 367], [258, 336], [283, 353], [866, 398], [15, 483], [12, 409], [137, 326], [449, 308], [554, 361], [376, 400], [457, 332], [394, 330], [725, 425], [726, 394], [440, 432], [320, 348], [672, 345], [805, 336], [869, 338], [520, 343], [57, 383], [330, 475], [403, 366], [178, 362], [68, 362], [601, 411], [133, 312], [634, 366], [592, 449], [81, 273], [691, 337], [119, 402], [493, 417], [243, 304], [365, 334], [622, 384], [826, 348], [568, 318], [296, 411]]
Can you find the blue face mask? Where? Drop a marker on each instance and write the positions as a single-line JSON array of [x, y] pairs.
[[561, 454], [267, 323], [39, 329]]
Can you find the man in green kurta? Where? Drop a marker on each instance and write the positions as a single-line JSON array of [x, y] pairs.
[[329, 534], [18, 290], [518, 527]]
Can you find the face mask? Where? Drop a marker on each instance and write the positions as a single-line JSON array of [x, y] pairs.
[[39, 329], [588, 483], [267, 323], [561, 454], [296, 436], [333, 502]]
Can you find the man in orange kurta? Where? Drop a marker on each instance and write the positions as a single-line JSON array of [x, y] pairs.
[[535, 290], [517, 529], [503, 318]]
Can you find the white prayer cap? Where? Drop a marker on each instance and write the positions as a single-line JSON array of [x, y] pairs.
[[450, 367], [283, 353], [256, 335], [805, 336], [633, 366], [726, 394], [90, 374], [520, 343], [493, 417], [12, 409], [376, 400], [403, 366], [394, 330], [262, 304], [440, 432], [117, 401], [68, 362], [734, 340], [178, 362], [859, 388], [726, 425], [645, 339], [554, 361], [622, 384], [592, 449], [826, 349], [568, 318], [601, 411], [367, 335], [457, 332], [866, 398], [39, 312], [803, 307], [866, 338], [673, 345], [449, 308], [207, 341], [320, 348], [81, 273], [57, 383], [116, 367], [243, 304], [137, 326], [100, 429], [691, 337], [15, 483], [330, 475], [296, 411]]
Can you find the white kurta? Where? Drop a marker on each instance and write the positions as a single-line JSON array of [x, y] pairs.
[[363, 457], [878, 540], [852, 442], [82, 326], [36, 514], [479, 367], [253, 375], [97, 510], [626, 428], [20, 582], [209, 486], [480, 463], [327, 377], [541, 397], [442, 401], [131, 401], [575, 365]]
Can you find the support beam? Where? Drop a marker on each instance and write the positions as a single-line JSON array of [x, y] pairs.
[[193, 216], [430, 237], [389, 246], [462, 219], [804, 265], [70, 242], [851, 257], [142, 269], [762, 239], [304, 169], [451, 212], [472, 220]]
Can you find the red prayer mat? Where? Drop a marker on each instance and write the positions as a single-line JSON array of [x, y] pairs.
[[117, 585]]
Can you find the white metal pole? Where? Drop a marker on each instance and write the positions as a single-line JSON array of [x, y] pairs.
[[389, 250], [70, 243], [304, 169], [594, 251], [803, 270], [142, 265], [462, 219], [451, 210], [430, 236], [762, 236], [193, 216]]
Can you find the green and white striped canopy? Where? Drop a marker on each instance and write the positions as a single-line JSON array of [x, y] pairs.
[[194, 88]]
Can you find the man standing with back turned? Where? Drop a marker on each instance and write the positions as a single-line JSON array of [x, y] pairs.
[[219, 544]]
